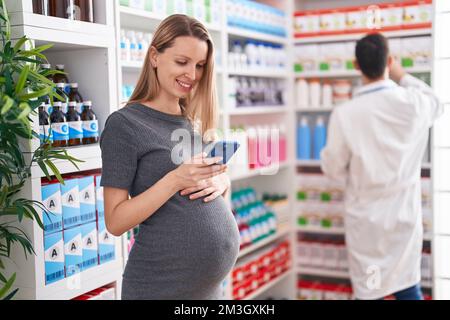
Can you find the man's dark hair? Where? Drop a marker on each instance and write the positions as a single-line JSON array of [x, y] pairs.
[[372, 53]]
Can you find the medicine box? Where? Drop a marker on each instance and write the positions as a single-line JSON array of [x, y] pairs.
[[87, 199], [70, 203], [54, 257], [90, 245], [99, 198], [106, 243], [73, 250], [51, 199]]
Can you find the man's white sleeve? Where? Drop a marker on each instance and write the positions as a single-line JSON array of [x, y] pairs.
[[425, 101], [336, 154]]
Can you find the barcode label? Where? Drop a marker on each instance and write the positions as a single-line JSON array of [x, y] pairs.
[[53, 226], [90, 262], [107, 256], [88, 216], [73, 220], [55, 275]]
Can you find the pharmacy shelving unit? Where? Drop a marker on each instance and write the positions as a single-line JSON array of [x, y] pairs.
[[88, 52], [273, 177], [314, 165], [441, 153]]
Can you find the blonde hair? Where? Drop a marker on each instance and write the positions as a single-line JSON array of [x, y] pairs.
[[201, 104]]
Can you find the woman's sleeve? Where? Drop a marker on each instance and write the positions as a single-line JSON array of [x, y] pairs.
[[119, 153]]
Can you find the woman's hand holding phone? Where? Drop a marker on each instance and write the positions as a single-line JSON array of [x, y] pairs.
[[192, 172]]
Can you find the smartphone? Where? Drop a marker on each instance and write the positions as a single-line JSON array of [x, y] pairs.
[[224, 149]]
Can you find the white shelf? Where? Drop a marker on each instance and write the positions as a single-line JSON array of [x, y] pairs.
[[323, 272], [141, 19], [134, 66], [257, 110], [261, 73], [270, 170], [63, 33], [426, 165], [427, 237], [357, 36], [318, 109], [91, 154], [268, 285], [321, 230], [243, 33], [308, 163], [263, 243], [426, 284], [83, 282], [350, 73]]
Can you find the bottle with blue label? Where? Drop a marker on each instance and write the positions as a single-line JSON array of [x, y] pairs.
[[45, 134], [75, 125], [303, 140], [76, 96], [320, 137], [90, 124], [62, 77], [59, 126]]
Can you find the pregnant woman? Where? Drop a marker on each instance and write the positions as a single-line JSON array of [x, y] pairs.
[[188, 240]]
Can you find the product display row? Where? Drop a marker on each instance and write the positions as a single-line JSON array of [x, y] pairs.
[[204, 10], [320, 290], [328, 255], [103, 293], [260, 147], [69, 122], [81, 10], [78, 200], [252, 55], [77, 249], [134, 45], [311, 140], [358, 19], [339, 56], [256, 221], [250, 92], [315, 94], [256, 16], [253, 272]]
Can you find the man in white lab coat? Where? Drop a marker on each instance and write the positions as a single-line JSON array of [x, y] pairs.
[[376, 143]]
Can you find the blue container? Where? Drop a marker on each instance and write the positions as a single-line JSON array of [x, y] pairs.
[[303, 140], [320, 137]]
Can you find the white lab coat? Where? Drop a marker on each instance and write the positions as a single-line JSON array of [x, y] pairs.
[[376, 144]]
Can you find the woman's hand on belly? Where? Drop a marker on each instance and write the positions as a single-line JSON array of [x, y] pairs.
[[209, 188]]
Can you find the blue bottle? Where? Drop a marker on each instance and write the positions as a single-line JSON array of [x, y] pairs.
[[303, 140], [320, 137]]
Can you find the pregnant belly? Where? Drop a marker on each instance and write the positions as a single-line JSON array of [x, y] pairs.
[[189, 244]]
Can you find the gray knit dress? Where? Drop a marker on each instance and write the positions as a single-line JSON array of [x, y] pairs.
[[187, 247]]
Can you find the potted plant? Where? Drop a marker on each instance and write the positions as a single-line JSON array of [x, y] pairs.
[[23, 87]]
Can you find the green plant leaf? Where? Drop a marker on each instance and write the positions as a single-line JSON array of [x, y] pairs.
[[8, 103], [22, 79], [7, 285], [11, 295], [54, 170], [36, 94], [25, 107], [19, 44]]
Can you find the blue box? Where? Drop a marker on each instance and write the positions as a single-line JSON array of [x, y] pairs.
[[90, 245], [99, 198], [54, 257], [73, 250], [51, 198], [106, 243], [70, 203], [87, 199]]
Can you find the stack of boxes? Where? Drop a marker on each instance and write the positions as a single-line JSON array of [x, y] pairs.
[[317, 290], [254, 271], [320, 202], [75, 235], [103, 293]]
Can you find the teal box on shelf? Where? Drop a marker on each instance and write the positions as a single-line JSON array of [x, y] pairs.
[[87, 199], [99, 198], [54, 257], [51, 198], [106, 243], [73, 250], [70, 203], [90, 245]]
